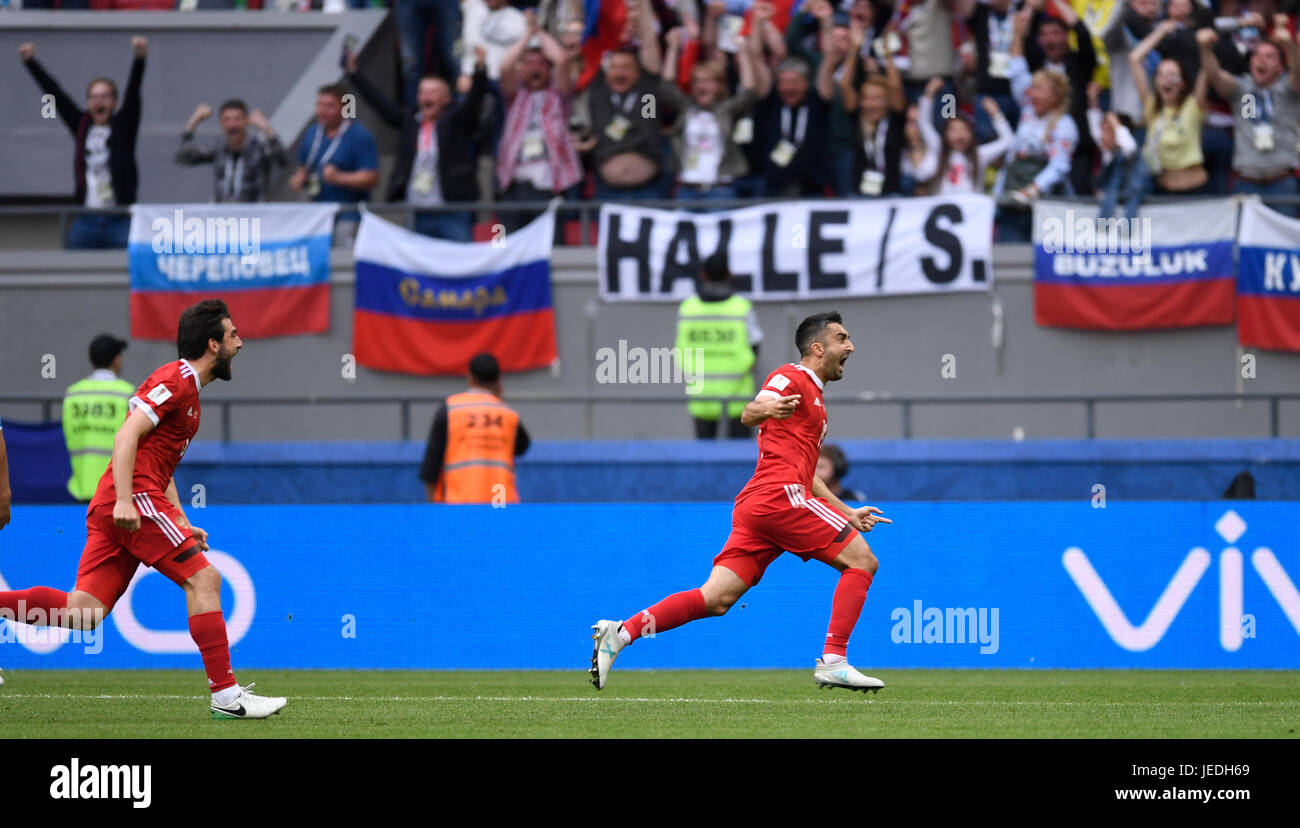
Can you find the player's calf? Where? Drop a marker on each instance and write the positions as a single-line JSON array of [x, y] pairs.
[[48, 607]]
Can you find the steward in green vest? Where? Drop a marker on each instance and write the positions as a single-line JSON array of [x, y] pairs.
[[93, 410], [718, 337]]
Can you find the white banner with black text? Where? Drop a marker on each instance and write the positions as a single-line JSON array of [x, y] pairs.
[[801, 249]]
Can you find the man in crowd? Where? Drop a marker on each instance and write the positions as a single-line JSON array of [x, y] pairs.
[[618, 119], [536, 160], [1266, 107], [790, 120], [435, 162], [104, 160], [338, 161], [242, 164]]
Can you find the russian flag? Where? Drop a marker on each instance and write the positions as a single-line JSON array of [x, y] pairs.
[[1268, 279], [605, 22], [1170, 268], [269, 262], [425, 306]]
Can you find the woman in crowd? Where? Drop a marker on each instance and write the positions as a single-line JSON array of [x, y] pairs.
[[954, 163], [1038, 161], [1173, 112]]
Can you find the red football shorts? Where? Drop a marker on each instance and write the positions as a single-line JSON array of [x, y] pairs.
[[113, 554], [764, 527]]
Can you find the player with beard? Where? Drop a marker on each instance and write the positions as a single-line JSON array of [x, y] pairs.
[[136, 517], [784, 507]]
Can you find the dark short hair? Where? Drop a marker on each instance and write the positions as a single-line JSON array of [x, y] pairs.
[[234, 103], [485, 369], [1281, 53], [715, 268], [111, 85], [104, 349], [200, 324], [811, 328], [1052, 21], [839, 462], [333, 90]]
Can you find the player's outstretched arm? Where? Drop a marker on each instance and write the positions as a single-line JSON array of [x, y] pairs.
[[862, 519], [174, 498], [765, 406], [125, 444]]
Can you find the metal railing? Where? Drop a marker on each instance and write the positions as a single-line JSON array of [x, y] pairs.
[[906, 402], [586, 211]]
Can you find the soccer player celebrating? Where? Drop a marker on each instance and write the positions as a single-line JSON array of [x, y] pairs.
[[163, 417], [784, 507]]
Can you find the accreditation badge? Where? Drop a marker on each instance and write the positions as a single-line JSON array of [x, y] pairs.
[[617, 128], [422, 182], [313, 185], [104, 190], [872, 183], [533, 148], [999, 65], [1263, 134], [783, 153], [743, 132]]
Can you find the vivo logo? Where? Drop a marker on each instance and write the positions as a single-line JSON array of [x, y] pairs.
[[1146, 635]]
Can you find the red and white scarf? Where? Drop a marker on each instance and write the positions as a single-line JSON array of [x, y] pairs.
[[566, 170]]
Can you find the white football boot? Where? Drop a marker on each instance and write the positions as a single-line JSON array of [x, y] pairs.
[[842, 674], [248, 706], [606, 650]]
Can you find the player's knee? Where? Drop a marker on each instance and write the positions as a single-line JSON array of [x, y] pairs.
[[859, 556], [718, 604], [206, 582], [84, 613]]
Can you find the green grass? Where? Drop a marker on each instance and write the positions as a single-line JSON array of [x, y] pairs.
[[735, 703]]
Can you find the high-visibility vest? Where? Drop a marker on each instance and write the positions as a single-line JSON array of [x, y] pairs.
[[720, 360], [478, 465], [93, 411]]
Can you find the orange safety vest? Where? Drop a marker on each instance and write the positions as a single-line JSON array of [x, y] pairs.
[[480, 453]]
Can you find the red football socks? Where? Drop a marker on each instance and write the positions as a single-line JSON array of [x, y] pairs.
[[22, 601], [846, 606], [672, 611], [208, 629]]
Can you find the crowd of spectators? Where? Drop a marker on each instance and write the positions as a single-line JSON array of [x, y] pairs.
[[690, 100]]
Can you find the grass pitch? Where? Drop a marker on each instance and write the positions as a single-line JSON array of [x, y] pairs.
[[105, 704]]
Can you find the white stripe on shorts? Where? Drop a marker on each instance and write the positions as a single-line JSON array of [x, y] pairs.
[[146, 507], [827, 514]]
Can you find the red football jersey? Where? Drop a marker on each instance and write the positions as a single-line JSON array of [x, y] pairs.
[[788, 449], [170, 397]]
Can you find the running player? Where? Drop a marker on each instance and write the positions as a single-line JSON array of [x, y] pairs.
[[784, 507], [163, 417]]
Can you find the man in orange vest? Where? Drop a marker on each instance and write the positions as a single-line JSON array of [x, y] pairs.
[[473, 443]]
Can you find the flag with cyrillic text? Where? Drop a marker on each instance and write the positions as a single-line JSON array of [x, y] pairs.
[[1268, 279], [1170, 267], [427, 306], [269, 262]]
